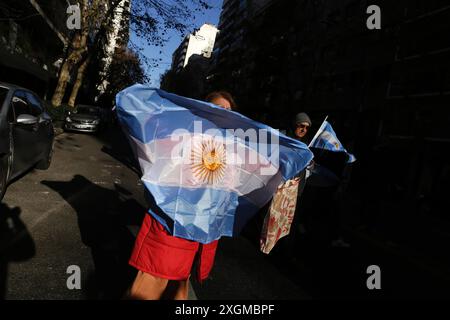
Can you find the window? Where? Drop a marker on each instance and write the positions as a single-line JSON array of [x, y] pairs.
[[242, 4], [35, 104], [3, 94], [351, 10]]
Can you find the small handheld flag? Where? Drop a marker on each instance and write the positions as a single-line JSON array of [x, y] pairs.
[[326, 138]]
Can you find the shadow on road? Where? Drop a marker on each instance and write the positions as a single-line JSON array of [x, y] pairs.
[[116, 145], [16, 243], [125, 159], [103, 217]]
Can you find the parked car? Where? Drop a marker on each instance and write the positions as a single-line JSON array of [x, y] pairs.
[[26, 133], [84, 118]]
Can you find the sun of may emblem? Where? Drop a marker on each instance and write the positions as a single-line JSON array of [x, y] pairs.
[[208, 161]]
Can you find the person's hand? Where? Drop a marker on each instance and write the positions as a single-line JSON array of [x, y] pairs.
[[289, 183], [309, 169]]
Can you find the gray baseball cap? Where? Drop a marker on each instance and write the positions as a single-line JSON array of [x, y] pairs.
[[302, 117]]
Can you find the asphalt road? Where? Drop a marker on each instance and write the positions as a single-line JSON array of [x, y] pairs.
[[82, 212], [85, 211]]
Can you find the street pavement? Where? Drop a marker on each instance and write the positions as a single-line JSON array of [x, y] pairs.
[[85, 211], [81, 212]]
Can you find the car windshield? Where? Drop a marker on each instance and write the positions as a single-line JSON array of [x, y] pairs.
[[3, 93], [87, 110]]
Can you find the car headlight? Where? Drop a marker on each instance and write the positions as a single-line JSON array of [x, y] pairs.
[[68, 119], [96, 122]]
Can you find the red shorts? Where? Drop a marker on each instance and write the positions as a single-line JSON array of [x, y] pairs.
[[165, 256]]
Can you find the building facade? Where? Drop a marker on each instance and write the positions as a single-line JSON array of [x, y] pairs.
[[385, 92], [201, 43], [33, 35], [117, 36]]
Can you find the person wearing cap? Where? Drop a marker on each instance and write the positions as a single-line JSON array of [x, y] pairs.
[[288, 245], [302, 125]]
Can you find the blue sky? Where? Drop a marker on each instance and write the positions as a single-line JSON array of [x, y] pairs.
[[210, 16]]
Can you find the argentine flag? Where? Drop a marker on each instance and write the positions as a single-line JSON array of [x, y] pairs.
[[326, 138], [209, 170]]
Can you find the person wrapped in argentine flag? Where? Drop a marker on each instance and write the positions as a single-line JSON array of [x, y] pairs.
[[209, 170]]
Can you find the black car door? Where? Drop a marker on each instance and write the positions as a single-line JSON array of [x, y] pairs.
[[44, 131], [4, 125], [23, 134]]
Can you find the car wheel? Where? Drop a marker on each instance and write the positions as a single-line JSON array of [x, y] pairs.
[[44, 164], [3, 175]]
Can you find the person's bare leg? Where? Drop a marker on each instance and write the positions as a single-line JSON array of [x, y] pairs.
[[147, 287], [183, 290], [177, 290]]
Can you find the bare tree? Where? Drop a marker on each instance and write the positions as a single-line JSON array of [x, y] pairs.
[[150, 20], [125, 70], [77, 50]]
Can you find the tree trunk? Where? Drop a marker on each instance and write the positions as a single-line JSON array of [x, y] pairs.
[[72, 60], [77, 49], [78, 82], [92, 17], [63, 79]]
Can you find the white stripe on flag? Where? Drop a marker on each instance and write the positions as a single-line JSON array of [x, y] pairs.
[[163, 163]]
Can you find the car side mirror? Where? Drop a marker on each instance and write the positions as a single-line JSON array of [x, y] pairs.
[[26, 119]]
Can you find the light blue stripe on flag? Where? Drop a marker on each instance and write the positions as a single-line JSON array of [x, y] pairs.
[[326, 138]]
